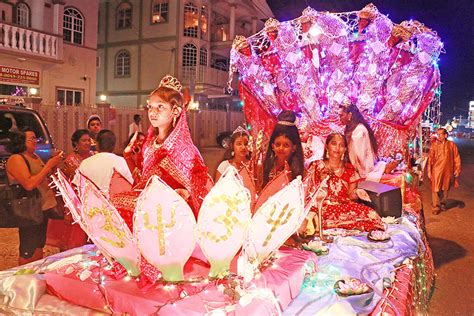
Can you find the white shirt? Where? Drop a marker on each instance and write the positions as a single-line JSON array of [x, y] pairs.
[[134, 127], [223, 166], [100, 168], [362, 156]]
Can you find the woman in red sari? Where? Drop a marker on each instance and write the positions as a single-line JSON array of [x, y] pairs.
[[168, 152], [339, 209]]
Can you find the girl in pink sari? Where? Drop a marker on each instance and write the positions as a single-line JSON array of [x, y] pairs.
[[168, 152]]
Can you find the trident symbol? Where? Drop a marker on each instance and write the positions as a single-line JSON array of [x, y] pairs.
[[282, 219], [108, 226], [160, 225]]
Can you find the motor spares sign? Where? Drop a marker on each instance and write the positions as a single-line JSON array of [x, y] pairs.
[[18, 75]]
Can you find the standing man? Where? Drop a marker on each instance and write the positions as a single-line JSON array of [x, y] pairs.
[[100, 167], [136, 126], [444, 166]]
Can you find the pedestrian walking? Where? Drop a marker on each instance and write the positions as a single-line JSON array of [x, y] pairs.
[[444, 167]]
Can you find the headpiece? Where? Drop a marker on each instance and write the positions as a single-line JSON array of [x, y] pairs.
[[369, 12], [286, 123], [346, 103], [171, 82], [240, 129]]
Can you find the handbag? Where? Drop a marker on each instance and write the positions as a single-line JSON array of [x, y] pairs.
[[57, 212], [20, 207]]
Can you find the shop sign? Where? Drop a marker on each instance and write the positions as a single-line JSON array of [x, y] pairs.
[[18, 75]]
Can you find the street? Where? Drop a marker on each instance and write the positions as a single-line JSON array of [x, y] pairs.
[[451, 238]]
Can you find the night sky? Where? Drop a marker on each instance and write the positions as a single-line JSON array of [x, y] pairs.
[[453, 20]]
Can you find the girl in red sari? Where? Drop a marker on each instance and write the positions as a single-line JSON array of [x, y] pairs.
[[339, 208], [168, 152]]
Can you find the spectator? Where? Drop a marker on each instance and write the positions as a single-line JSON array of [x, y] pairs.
[[444, 166], [136, 125], [81, 142], [94, 125], [100, 167], [26, 168]]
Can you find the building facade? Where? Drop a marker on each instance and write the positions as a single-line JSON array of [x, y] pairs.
[[48, 51], [140, 41]]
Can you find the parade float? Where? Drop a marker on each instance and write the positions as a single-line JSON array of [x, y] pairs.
[[233, 259]]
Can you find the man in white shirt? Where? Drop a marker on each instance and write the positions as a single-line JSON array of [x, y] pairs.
[[136, 126], [99, 168]]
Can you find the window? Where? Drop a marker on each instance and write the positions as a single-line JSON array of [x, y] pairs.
[[123, 18], [73, 26], [203, 22], [69, 97], [219, 62], [190, 20], [189, 55], [159, 11], [22, 14], [203, 57], [122, 64]]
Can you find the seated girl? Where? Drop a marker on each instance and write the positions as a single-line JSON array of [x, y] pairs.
[[284, 150], [339, 209], [238, 154]]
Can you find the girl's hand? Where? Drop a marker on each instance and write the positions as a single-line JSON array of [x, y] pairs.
[[55, 160], [131, 145]]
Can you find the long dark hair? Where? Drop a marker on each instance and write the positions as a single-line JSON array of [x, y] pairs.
[[228, 153], [357, 119], [296, 160], [328, 140]]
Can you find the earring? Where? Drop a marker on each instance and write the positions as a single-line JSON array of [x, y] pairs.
[[75, 149], [342, 157], [232, 153], [327, 155], [174, 121]]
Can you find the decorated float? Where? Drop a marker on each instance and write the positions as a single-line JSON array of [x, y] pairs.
[[233, 259]]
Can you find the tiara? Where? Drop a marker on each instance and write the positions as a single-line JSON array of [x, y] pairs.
[[171, 82], [240, 129], [369, 12], [286, 123]]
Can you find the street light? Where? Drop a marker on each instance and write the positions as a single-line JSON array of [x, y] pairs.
[[33, 91], [103, 97]]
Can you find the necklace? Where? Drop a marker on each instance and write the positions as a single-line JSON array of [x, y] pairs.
[[334, 170], [157, 143]]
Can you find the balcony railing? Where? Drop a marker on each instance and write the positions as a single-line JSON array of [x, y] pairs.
[[18, 39], [204, 75]]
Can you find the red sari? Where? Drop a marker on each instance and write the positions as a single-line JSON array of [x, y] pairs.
[[338, 210], [177, 162], [62, 233]]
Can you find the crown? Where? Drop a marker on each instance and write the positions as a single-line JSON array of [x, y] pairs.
[[271, 23], [369, 12], [346, 103], [401, 32], [171, 82], [240, 42], [240, 129], [286, 123]]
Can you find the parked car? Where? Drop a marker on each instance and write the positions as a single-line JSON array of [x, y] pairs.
[[14, 118], [223, 139]]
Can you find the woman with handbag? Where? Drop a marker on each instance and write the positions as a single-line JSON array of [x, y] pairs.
[[27, 169]]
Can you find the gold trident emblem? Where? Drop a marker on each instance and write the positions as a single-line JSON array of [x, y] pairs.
[[108, 226], [160, 225], [282, 219]]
